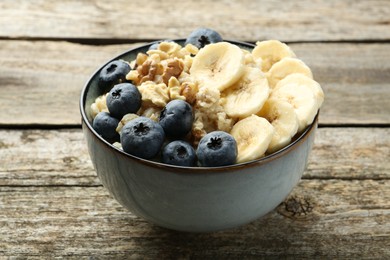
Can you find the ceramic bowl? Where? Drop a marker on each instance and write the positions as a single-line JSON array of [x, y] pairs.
[[194, 199]]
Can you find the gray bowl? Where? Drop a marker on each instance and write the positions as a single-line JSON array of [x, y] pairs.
[[194, 199]]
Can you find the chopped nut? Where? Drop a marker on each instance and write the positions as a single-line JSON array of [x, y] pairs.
[[162, 55], [174, 69], [173, 82], [144, 68], [141, 58], [189, 91], [175, 89], [134, 76], [192, 49], [99, 105], [169, 47], [189, 50], [148, 70], [155, 57]]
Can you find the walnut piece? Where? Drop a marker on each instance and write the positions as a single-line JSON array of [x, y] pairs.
[[175, 89], [173, 69], [189, 91], [148, 70]]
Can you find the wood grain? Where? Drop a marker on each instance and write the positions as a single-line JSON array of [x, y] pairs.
[[45, 157], [52, 205], [60, 157], [301, 20], [41, 82], [355, 79], [350, 153], [343, 219]]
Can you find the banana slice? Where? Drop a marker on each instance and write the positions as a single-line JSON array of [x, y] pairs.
[[300, 79], [301, 97], [218, 65], [253, 136], [270, 52], [284, 67], [248, 95], [282, 117]]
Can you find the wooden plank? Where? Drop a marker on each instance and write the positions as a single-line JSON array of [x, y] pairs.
[[343, 219], [355, 79], [350, 153], [60, 157], [319, 20], [45, 157], [41, 82]]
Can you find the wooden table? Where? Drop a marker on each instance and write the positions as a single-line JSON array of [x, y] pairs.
[[53, 205]]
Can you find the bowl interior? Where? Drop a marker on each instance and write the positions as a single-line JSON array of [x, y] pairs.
[[91, 91]]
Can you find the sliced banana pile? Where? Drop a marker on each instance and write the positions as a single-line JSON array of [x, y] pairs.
[[303, 93], [269, 92]]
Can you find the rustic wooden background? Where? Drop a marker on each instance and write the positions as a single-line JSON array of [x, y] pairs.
[[53, 205]]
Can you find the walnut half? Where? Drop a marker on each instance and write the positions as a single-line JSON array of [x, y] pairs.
[[173, 69], [148, 70]]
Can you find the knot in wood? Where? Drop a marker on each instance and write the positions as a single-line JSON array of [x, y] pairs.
[[296, 206]]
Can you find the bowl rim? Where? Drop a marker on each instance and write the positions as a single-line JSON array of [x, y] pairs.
[[195, 169]]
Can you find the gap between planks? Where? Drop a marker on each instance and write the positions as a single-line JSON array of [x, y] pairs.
[[118, 41], [78, 126], [338, 154]]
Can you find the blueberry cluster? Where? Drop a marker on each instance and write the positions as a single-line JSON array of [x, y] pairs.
[[122, 98], [165, 139]]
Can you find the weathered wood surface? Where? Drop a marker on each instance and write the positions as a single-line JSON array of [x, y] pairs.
[[41, 82], [60, 157], [343, 219], [302, 20], [53, 205]]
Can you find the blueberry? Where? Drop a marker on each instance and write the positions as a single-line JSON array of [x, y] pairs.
[[122, 99], [142, 137], [105, 125], [203, 36], [217, 148], [176, 118], [113, 73], [179, 153]]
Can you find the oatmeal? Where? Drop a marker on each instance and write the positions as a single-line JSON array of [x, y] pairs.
[[229, 89]]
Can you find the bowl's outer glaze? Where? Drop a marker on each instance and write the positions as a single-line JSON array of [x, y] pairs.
[[194, 199]]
